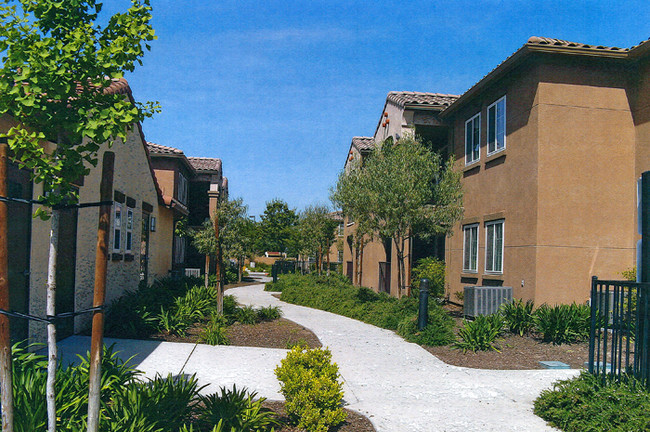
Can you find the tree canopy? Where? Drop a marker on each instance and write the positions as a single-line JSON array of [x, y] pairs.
[[276, 227], [401, 188], [57, 66]]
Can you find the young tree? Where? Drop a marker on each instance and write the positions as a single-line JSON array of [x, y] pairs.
[[350, 195], [405, 188], [276, 227], [317, 232], [57, 66]]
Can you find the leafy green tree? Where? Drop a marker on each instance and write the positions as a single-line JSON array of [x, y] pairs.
[[57, 66], [276, 227], [403, 188], [317, 232]]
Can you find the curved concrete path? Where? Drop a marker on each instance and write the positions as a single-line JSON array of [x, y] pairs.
[[403, 388]]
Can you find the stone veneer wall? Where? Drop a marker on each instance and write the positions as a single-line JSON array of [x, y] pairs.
[[133, 178]]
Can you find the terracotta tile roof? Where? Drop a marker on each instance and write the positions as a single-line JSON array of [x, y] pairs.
[[164, 150], [118, 86], [536, 40], [363, 144], [403, 98], [205, 164]]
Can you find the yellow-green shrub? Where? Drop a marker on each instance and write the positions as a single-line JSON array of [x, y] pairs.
[[310, 385]]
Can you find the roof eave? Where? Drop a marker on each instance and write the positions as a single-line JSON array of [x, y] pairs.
[[519, 56]]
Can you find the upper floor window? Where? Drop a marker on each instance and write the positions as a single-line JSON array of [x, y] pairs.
[[182, 189], [496, 126], [494, 247], [470, 248], [473, 139], [129, 230]]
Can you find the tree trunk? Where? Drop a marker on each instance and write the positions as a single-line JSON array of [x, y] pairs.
[[207, 270], [218, 263], [399, 249], [6, 378], [362, 247], [319, 260], [328, 262], [99, 295], [51, 328], [239, 269]]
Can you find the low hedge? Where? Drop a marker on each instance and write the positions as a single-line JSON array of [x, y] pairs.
[[585, 404], [334, 293]]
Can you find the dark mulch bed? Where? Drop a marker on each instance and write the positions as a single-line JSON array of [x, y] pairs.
[[516, 352], [279, 333], [354, 423], [273, 334]]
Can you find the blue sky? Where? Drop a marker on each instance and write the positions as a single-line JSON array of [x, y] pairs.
[[277, 89]]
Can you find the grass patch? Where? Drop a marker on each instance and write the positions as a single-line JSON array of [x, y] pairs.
[[585, 404], [334, 293]]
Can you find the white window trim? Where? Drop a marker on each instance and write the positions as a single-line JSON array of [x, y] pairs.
[[467, 228], [505, 121], [487, 245], [478, 158], [129, 230], [117, 230]]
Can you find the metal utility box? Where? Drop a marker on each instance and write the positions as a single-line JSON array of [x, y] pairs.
[[485, 300]]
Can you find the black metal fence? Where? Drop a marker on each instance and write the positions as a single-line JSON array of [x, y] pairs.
[[619, 342]]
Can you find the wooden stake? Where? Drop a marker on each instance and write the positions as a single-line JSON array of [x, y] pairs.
[[218, 266], [6, 385], [101, 264]]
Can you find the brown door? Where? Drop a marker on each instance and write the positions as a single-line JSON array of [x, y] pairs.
[[19, 239]]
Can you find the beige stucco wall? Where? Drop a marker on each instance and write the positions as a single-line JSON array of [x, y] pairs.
[[133, 178], [565, 185]]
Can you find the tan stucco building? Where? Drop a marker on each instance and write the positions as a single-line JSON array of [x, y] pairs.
[[550, 144]]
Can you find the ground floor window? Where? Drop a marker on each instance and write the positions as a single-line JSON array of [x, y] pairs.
[[470, 248], [494, 247]]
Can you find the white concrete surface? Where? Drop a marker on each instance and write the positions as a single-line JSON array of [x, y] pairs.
[[401, 387], [398, 385]]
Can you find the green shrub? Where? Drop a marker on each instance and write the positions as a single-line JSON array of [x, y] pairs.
[[562, 324], [585, 404], [269, 313], [438, 331], [237, 410], [310, 384], [172, 323], [215, 332], [274, 287], [480, 334], [518, 316], [247, 315], [429, 268], [335, 293]]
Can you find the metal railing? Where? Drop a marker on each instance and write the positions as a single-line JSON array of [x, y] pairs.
[[619, 342]]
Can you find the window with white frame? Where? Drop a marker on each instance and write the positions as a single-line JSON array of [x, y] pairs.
[[496, 127], [494, 246], [182, 189], [473, 139], [470, 248], [129, 230], [117, 228]]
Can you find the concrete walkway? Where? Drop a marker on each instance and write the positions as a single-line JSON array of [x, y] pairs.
[[398, 385]]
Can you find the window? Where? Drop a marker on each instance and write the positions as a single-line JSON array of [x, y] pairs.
[[129, 230], [117, 228], [497, 126], [494, 247], [473, 139], [341, 228], [470, 248], [179, 250], [182, 189]]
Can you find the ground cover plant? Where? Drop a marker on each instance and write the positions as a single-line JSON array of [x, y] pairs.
[[129, 403], [481, 334], [586, 404], [334, 293], [310, 384]]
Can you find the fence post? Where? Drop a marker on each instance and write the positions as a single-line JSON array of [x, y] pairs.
[[423, 314], [592, 330]]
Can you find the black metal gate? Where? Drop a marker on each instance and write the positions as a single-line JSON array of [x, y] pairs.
[[620, 329]]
